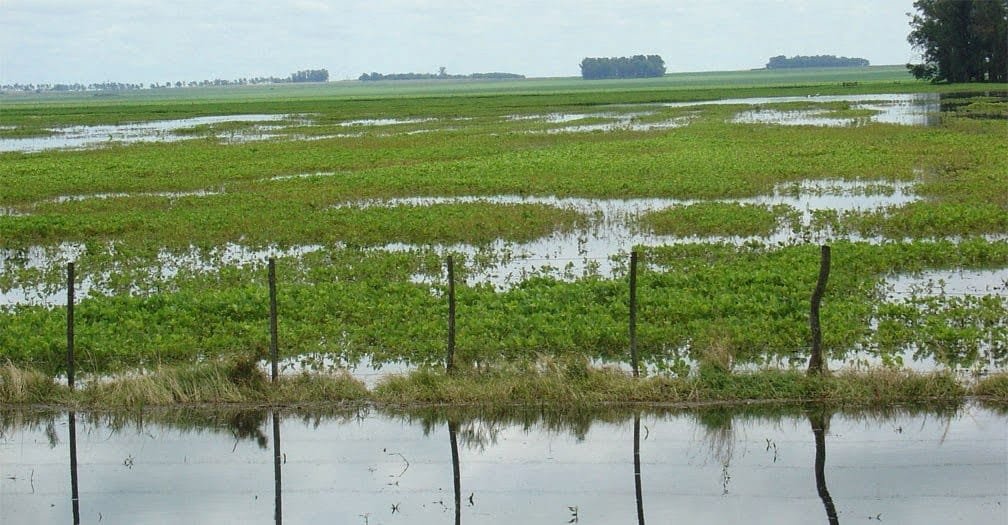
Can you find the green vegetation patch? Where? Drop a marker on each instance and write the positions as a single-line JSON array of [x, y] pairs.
[[719, 219], [994, 386], [260, 220], [563, 383]]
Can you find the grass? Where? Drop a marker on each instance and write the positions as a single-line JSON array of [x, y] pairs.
[[558, 383], [994, 386], [578, 384], [719, 219]]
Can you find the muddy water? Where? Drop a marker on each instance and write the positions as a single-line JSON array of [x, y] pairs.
[[713, 466]]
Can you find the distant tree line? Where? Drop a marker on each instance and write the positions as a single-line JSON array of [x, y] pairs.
[[783, 62], [960, 40], [637, 66], [307, 75], [442, 74], [310, 75]]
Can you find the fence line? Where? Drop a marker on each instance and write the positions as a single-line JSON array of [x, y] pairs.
[[816, 360]]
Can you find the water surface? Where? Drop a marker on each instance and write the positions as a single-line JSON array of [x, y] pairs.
[[785, 466]]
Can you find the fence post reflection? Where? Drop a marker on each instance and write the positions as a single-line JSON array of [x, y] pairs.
[[277, 514], [820, 422], [637, 471], [453, 437], [74, 498]]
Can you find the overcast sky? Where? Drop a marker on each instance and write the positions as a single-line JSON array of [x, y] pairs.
[[156, 41]]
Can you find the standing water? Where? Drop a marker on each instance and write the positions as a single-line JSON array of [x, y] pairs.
[[721, 465]]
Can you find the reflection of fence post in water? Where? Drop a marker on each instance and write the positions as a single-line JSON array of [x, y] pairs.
[[820, 422], [636, 469], [70, 326], [74, 498], [452, 436], [277, 514]]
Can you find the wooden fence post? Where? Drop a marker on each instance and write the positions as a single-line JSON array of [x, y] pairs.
[[817, 364], [450, 360], [70, 325], [273, 320], [633, 313]]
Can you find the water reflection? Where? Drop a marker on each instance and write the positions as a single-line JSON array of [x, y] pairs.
[[277, 490], [819, 420], [456, 471], [637, 469], [533, 465], [74, 493]]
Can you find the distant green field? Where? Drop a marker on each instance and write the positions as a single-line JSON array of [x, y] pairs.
[[538, 86]]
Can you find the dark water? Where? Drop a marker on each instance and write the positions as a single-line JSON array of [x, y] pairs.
[[780, 466]]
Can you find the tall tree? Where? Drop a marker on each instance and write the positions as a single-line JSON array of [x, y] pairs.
[[960, 40]]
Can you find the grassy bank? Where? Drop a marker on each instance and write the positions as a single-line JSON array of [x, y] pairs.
[[557, 385]]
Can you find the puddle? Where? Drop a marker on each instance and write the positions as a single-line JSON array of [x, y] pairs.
[[168, 265], [906, 110], [436, 466], [365, 370], [304, 175], [598, 249], [949, 282], [385, 121], [120, 195], [919, 109], [629, 121], [915, 109], [601, 247], [83, 137]]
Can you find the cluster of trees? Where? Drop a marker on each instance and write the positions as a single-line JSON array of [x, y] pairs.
[[637, 66], [782, 62], [960, 40], [307, 75], [310, 75], [442, 74]]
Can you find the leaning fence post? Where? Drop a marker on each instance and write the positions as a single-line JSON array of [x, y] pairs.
[[450, 360], [633, 313], [70, 325], [816, 363], [273, 320]]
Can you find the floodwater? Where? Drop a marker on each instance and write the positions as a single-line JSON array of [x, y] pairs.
[[601, 247], [83, 137], [919, 109], [721, 465], [598, 249]]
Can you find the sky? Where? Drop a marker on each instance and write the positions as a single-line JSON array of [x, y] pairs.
[[50, 41]]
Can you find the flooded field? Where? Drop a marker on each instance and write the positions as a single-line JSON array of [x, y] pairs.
[[717, 465], [539, 202], [599, 248], [85, 137], [920, 109]]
